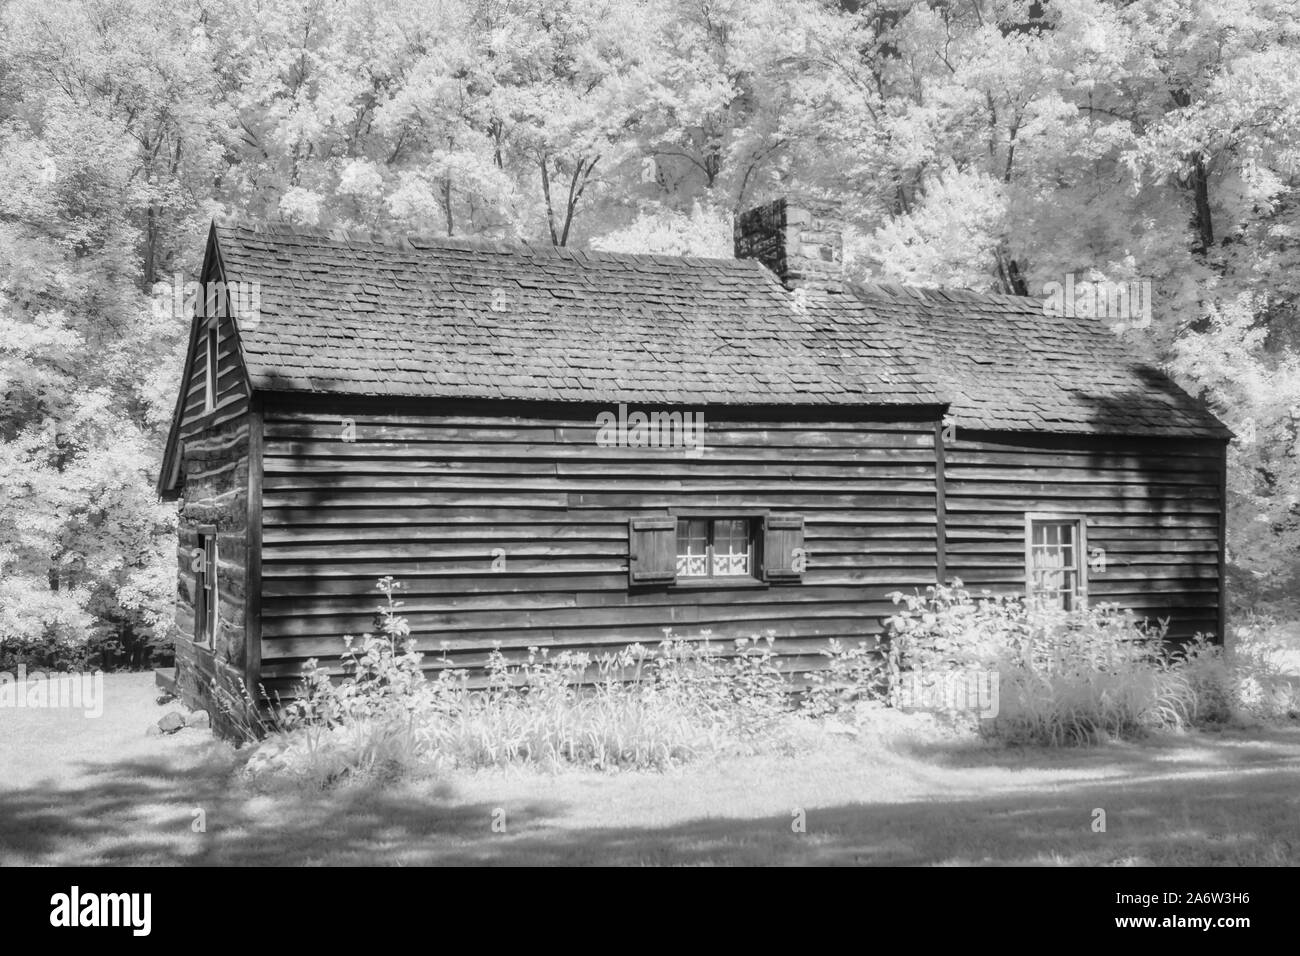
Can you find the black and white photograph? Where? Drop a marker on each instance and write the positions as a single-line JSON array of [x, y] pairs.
[[668, 433]]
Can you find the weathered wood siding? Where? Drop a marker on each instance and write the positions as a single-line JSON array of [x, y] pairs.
[[232, 383], [1153, 505], [216, 470], [427, 495]]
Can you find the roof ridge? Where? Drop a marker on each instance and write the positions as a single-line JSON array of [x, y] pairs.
[[393, 239], [943, 293]]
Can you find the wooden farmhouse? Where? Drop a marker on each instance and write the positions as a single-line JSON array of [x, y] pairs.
[[565, 449]]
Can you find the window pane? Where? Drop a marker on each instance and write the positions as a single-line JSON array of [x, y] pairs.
[[731, 546], [1065, 534], [692, 547], [1053, 563]]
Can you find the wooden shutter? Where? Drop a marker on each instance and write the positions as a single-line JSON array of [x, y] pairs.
[[652, 550], [783, 548]]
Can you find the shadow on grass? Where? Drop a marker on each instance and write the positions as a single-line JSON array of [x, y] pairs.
[[143, 812], [1164, 753], [1239, 805]]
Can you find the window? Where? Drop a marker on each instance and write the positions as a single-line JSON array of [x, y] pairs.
[[715, 548], [205, 588], [210, 383], [1054, 566], [690, 549]]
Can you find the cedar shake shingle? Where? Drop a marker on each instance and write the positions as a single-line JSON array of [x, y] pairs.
[[447, 318]]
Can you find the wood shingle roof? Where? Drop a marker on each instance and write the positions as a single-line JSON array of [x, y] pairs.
[[361, 315], [1005, 365]]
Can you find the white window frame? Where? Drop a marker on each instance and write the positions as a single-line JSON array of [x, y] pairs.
[[1080, 524], [752, 536]]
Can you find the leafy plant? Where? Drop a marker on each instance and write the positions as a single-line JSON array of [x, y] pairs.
[[636, 707], [1064, 677]]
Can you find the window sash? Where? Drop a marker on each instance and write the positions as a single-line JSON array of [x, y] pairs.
[[1054, 568], [732, 547], [715, 548]]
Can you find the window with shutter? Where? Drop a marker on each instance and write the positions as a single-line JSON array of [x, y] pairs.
[[731, 550], [715, 548], [784, 557]]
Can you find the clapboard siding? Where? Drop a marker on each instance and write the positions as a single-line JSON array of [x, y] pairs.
[[1152, 505], [428, 495]]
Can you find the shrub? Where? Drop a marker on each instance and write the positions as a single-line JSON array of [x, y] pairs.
[[115, 643], [570, 708], [851, 675], [55, 652], [637, 707], [1257, 681], [1062, 677]]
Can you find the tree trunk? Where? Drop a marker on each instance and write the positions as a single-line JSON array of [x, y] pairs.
[[1199, 183], [1204, 226], [550, 210], [1009, 274], [446, 205], [150, 247]]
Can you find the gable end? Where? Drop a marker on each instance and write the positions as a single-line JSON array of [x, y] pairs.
[[195, 412]]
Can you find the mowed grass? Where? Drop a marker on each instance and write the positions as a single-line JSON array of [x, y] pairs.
[[81, 791]]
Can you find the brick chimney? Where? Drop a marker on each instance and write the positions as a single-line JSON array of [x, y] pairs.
[[801, 242]]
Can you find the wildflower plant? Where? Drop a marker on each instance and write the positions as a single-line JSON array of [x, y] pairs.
[[1062, 677]]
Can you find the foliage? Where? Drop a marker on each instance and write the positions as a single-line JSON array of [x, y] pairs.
[[996, 144], [52, 653], [634, 708], [1258, 393], [1073, 677], [851, 675], [1080, 676], [1256, 680]]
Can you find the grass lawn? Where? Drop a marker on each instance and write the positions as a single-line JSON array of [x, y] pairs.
[[98, 791]]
